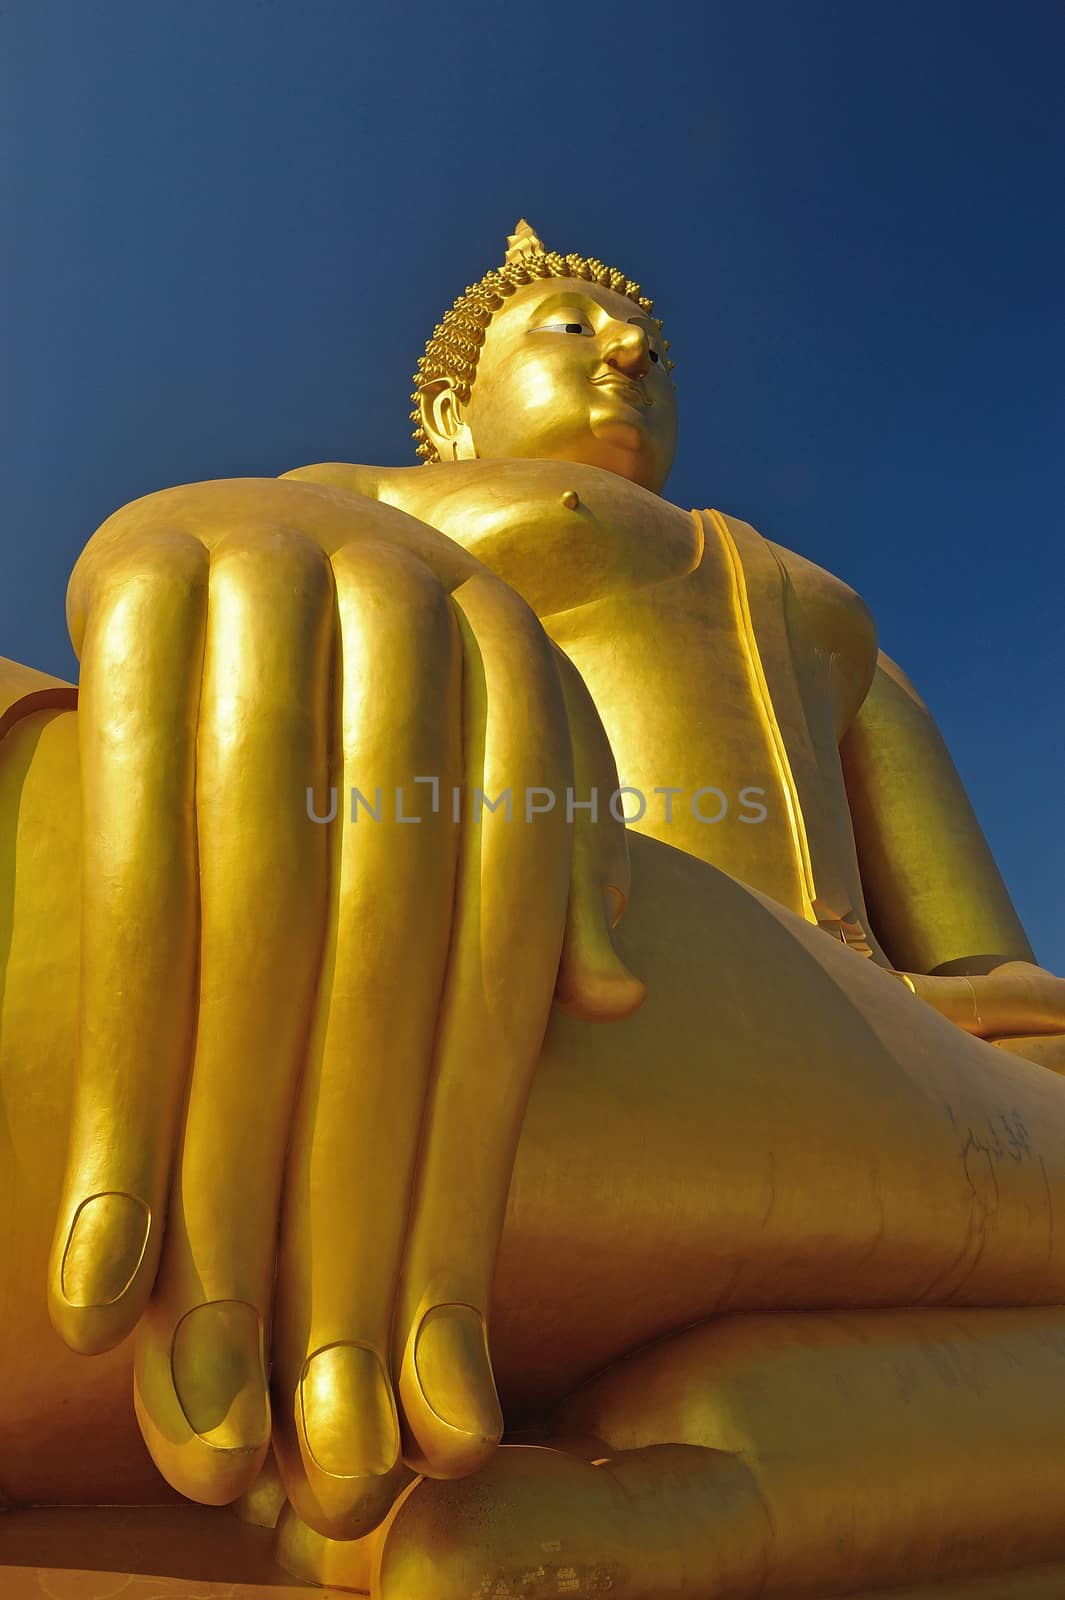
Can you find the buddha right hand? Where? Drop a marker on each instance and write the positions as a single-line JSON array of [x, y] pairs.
[[243, 643]]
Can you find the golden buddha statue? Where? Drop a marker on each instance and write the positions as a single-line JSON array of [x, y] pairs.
[[390, 1140]]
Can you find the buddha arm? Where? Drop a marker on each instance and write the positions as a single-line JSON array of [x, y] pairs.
[[935, 896]]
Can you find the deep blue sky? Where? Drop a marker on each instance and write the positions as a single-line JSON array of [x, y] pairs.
[[228, 227]]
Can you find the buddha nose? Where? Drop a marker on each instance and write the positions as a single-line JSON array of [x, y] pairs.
[[627, 350]]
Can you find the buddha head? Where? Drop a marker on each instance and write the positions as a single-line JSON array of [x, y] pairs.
[[550, 358]]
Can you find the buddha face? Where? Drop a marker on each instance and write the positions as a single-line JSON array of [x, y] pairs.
[[568, 372]]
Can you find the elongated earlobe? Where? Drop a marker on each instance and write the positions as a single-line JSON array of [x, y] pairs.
[[443, 422]]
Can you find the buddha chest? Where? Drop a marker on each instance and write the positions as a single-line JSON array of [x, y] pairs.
[[722, 709]]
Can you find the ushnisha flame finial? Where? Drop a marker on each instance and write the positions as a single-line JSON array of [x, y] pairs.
[[522, 243]]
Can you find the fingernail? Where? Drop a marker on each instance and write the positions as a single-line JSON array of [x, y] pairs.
[[349, 1414], [217, 1367], [454, 1372], [105, 1248]]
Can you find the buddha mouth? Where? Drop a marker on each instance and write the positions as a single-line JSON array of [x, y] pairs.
[[628, 389]]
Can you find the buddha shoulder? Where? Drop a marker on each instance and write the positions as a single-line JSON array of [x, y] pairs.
[[562, 534]]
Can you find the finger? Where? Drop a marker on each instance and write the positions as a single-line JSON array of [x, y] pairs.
[[1045, 1049], [351, 1164], [1015, 998], [199, 1371], [512, 891], [1018, 997], [593, 982], [142, 655]]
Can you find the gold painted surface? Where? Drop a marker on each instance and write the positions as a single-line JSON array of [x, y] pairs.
[[388, 1134], [148, 1553], [24, 690], [742, 628], [1038, 1583], [929, 875]]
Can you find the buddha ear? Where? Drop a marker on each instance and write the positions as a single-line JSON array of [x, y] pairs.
[[443, 421]]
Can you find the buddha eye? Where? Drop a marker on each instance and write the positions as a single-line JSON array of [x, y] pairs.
[[566, 327], [654, 355]]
